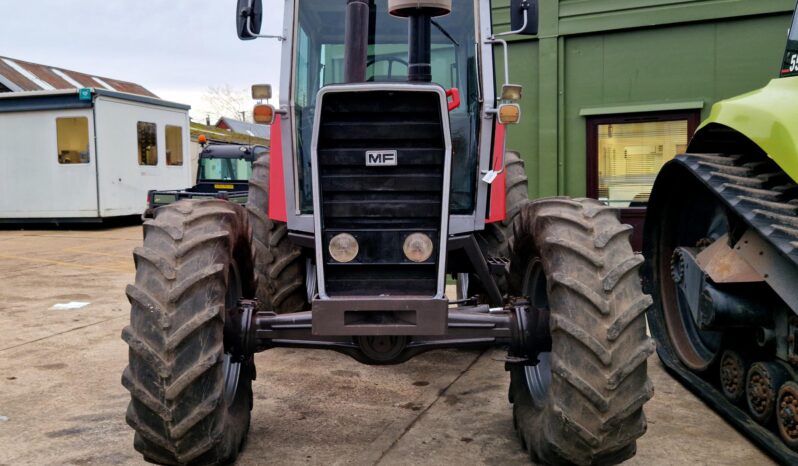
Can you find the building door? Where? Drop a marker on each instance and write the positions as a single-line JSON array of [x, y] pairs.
[[624, 155]]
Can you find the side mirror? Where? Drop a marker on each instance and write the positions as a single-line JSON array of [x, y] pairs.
[[517, 9], [249, 16]]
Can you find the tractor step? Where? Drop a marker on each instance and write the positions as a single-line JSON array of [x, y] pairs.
[[498, 265]]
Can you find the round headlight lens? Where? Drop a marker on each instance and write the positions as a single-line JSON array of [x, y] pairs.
[[343, 247], [418, 247]]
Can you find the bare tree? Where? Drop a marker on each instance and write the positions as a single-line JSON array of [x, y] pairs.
[[226, 101]]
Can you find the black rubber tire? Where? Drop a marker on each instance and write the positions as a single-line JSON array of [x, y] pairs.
[[496, 238], [194, 265], [592, 413], [279, 263]]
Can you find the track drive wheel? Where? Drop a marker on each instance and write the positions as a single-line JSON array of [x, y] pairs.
[[582, 403], [690, 217], [279, 263], [190, 397]]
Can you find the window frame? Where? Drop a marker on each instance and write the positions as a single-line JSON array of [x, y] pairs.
[[138, 143], [166, 145], [88, 139], [693, 118]]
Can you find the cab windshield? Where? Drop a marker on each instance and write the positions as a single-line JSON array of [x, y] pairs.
[[226, 169], [319, 61]]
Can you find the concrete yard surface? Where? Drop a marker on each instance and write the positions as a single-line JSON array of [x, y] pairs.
[[61, 401]]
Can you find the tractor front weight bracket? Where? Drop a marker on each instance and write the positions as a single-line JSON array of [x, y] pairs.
[[519, 327]]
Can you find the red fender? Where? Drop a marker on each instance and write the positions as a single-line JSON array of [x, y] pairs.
[[497, 209], [277, 209]]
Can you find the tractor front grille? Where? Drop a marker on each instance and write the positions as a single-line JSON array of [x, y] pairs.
[[380, 204]]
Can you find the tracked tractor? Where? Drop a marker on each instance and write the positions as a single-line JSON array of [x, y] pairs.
[[388, 175], [721, 243]]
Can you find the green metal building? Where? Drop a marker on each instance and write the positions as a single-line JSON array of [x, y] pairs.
[[614, 88]]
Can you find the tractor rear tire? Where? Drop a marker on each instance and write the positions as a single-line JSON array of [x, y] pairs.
[[582, 404], [279, 263], [190, 398], [496, 238]]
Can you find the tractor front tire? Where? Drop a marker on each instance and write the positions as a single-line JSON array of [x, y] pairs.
[[279, 263], [190, 397], [582, 403]]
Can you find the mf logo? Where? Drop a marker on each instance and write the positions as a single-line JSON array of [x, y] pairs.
[[380, 158]]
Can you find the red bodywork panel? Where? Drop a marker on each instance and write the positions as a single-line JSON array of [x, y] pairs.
[[497, 209], [276, 179], [454, 93]]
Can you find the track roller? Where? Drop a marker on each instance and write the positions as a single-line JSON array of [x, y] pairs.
[[733, 369], [762, 387], [787, 414]]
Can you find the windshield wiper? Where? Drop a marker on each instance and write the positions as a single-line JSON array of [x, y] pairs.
[[443, 31]]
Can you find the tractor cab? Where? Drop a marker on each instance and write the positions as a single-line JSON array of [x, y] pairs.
[[318, 61], [226, 167]]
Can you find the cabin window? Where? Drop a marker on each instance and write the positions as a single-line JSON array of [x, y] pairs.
[[148, 143], [174, 145], [626, 153], [73, 139]]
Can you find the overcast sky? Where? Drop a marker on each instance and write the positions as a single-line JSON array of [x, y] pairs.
[[175, 48]]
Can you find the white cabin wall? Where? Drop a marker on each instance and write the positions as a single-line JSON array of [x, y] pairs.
[[123, 183], [34, 184]]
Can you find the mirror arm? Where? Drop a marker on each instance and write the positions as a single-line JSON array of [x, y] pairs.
[[493, 40], [517, 31], [262, 36]]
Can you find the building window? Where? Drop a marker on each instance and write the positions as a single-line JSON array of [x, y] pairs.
[[148, 143], [626, 153], [174, 145], [73, 139]]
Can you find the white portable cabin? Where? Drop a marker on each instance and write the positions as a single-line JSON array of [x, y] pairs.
[[70, 155]]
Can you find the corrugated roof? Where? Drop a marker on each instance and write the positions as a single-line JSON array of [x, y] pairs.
[[19, 75], [242, 127]]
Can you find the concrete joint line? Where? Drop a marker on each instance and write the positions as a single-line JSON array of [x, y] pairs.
[[61, 333], [421, 413]]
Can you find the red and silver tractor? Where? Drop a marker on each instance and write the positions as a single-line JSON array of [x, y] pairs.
[[387, 174]]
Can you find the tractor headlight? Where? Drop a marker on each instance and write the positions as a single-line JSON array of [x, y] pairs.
[[418, 247], [343, 247]]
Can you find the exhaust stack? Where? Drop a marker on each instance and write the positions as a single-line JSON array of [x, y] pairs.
[[420, 14], [356, 39]]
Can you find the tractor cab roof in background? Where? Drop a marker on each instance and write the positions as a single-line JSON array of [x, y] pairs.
[[232, 151]]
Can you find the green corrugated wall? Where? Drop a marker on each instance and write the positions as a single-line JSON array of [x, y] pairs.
[[601, 57]]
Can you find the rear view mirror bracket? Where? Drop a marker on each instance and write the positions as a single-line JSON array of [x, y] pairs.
[[249, 15]]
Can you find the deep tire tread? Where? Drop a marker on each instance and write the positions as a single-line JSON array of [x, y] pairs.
[[279, 263], [599, 341], [175, 372], [496, 238]]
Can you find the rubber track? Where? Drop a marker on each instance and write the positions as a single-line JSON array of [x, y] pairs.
[[760, 193]]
